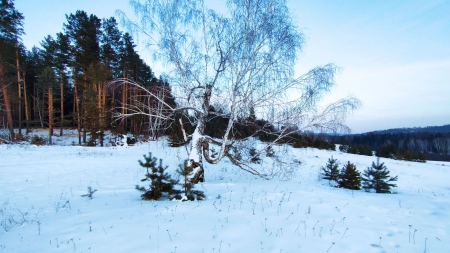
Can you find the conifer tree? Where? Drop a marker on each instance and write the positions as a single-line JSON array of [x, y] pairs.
[[161, 183], [189, 193], [254, 156], [270, 152], [377, 178], [331, 170], [11, 28], [349, 177]]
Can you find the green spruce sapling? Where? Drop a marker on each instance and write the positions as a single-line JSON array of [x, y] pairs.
[[254, 156], [377, 178], [331, 170], [189, 193], [349, 177], [213, 153], [270, 152], [161, 183]]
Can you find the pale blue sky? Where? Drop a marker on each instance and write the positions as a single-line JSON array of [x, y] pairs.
[[395, 55]]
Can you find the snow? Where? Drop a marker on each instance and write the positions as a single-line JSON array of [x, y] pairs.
[[42, 210]]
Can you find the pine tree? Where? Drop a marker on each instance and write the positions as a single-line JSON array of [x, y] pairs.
[[11, 28], [349, 177], [270, 152], [189, 193], [254, 156], [377, 177], [331, 170], [161, 183]]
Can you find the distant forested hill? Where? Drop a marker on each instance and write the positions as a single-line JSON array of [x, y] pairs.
[[429, 129], [431, 143]]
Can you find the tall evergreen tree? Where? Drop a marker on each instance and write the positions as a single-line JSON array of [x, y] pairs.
[[349, 177], [111, 44], [11, 28], [377, 178], [61, 63], [84, 33]]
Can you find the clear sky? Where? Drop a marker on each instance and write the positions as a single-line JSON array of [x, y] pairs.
[[395, 55]]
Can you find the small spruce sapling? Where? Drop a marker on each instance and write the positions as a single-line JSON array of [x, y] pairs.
[[270, 152], [236, 154], [331, 170], [254, 156], [213, 153], [161, 183], [377, 178], [190, 194], [349, 177]]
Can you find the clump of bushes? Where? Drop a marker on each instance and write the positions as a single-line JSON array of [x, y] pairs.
[[37, 140], [356, 149]]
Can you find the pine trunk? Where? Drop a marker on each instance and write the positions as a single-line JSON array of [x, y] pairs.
[[7, 107], [25, 100], [76, 109], [61, 88], [19, 88], [50, 115], [38, 106], [123, 122]]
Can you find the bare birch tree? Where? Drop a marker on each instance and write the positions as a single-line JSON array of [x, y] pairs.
[[240, 59]]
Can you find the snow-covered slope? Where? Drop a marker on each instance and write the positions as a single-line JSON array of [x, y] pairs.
[[41, 208]]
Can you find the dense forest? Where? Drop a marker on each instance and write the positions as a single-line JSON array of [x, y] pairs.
[[66, 81]]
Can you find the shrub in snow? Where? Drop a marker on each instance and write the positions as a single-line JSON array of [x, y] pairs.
[[161, 183], [189, 193], [37, 140], [420, 157], [387, 151], [344, 148], [349, 177], [377, 178], [331, 170]]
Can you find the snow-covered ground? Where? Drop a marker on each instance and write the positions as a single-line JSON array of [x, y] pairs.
[[41, 208]]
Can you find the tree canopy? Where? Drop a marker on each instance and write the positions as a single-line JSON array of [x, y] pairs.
[[239, 60]]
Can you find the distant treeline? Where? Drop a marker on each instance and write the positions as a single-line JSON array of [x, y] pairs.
[[430, 129], [403, 146]]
